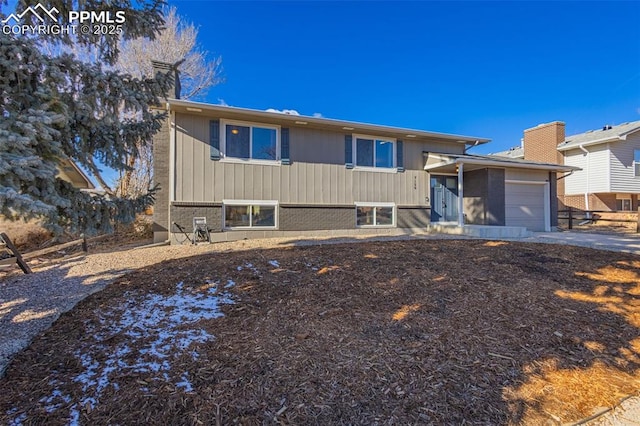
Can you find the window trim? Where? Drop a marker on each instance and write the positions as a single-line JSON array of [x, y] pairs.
[[377, 204], [246, 203], [636, 163], [354, 148], [622, 198], [251, 125]]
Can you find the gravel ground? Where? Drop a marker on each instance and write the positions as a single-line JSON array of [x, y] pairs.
[[29, 304]]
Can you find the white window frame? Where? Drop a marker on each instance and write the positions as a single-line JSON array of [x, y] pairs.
[[251, 125], [375, 204], [636, 164], [247, 203], [622, 198], [354, 150]]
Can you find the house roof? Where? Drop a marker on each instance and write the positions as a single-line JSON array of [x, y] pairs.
[[514, 152], [69, 171], [604, 135], [292, 120], [448, 163]]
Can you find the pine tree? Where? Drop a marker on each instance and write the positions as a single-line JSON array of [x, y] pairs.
[[57, 106]]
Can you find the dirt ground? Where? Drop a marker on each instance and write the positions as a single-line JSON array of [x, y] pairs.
[[442, 332]]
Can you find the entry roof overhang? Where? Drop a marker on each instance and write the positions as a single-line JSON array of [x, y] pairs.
[[448, 163]]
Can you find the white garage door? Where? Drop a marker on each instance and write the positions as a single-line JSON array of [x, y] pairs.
[[526, 205]]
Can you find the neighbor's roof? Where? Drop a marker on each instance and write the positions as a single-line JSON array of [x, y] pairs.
[[603, 135], [292, 120], [448, 161], [70, 172], [515, 152]]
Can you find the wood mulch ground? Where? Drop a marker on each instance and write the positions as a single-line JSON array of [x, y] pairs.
[[399, 332]]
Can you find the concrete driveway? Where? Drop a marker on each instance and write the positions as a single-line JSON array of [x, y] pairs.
[[628, 243]]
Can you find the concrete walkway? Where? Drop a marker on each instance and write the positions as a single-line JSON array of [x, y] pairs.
[[628, 243]]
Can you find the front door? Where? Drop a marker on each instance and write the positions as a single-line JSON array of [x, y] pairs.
[[444, 198]]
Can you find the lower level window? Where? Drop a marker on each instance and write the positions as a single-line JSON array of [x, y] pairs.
[[239, 214], [375, 214], [623, 204]]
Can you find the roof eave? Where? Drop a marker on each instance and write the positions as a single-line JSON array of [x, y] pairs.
[[503, 164], [614, 138], [355, 126], [553, 167]]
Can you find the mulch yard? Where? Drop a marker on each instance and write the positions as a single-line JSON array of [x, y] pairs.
[[403, 332]]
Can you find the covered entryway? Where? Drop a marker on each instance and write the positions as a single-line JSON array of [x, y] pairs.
[[493, 192], [527, 205], [444, 198]]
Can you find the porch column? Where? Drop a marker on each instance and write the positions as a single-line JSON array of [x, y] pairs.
[[460, 195]]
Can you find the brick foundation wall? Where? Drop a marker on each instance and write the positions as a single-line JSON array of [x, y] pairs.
[[603, 202], [413, 217], [305, 218], [183, 214], [290, 219]]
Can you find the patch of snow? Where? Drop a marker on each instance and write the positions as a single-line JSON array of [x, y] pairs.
[[284, 111], [153, 323], [185, 383], [74, 416], [248, 265], [16, 421], [274, 263], [55, 401], [230, 283]]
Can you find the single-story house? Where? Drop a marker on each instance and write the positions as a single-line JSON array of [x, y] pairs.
[[254, 173]]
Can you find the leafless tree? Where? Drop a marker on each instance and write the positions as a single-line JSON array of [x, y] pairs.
[[176, 42]]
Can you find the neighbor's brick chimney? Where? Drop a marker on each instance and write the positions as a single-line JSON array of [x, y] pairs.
[[540, 142]]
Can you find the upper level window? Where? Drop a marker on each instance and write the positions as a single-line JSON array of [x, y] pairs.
[[636, 161], [374, 152], [250, 141]]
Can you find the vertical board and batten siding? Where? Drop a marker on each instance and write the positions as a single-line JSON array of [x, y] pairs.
[[316, 175], [623, 177], [595, 168]]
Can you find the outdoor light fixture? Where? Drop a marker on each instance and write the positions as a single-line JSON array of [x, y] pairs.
[[301, 122], [411, 136], [194, 109], [347, 128]]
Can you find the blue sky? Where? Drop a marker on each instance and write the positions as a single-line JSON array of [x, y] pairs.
[[488, 69]]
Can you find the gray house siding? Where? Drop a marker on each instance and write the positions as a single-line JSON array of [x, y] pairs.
[[553, 194], [484, 196], [622, 171], [317, 174]]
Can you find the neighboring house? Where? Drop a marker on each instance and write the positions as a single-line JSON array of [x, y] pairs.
[[608, 160], [69, 171], [262, 174]]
